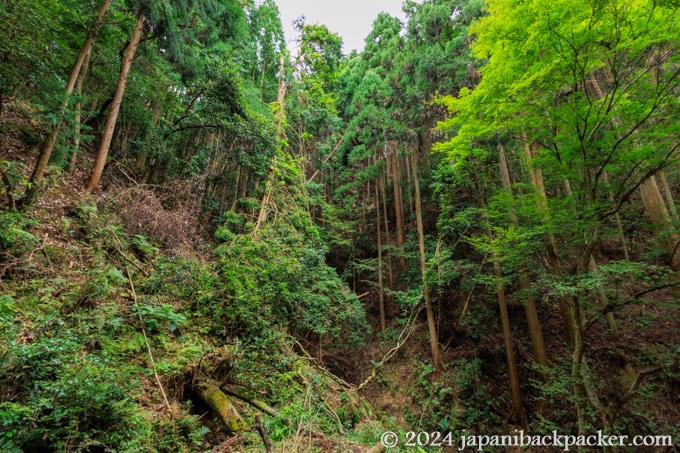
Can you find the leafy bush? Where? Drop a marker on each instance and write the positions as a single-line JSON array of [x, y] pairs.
[[280, 278]]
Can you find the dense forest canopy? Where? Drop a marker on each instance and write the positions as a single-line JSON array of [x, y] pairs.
[[212, 242]]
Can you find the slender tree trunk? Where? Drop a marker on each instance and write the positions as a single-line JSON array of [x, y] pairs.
[[79, 107], [383, 320], [537, 181], [535, 331], [431, 322], [592, 266], [409, 180], [48, 144], [604, 301], [267, 191], [619, 223], [105, 142], [280, 97], [236, 186], [387, 230], [515, 391], [661, 221], [140, 162], [669, 197], [398, 211], [577, 366]]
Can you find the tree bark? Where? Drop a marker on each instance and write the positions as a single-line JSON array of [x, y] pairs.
[[662, 225], [669, 197], [263, 434], [79, 108], [390, 278], [48, 144], [105, 142], [604, 301], [619, 223], [431, 322], [398, 210], [515, 392], [661, 221], [535, 331], [264, 407], [553, 255], [383, 320], [209, 391]]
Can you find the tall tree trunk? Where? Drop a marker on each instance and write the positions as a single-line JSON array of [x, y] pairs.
[[383, 320], [619, 223], [604, 301], [537, 181], [515, 391], [79, 107], [48, 144], [387, 230], [535, 331], [595, 86], [669, 197], [661, 221], [280, 95], [592, 265], [431, 322], [110, 125], [398, 210], [409, 180]]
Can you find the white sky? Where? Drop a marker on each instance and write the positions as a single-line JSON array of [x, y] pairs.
[[351, 19]]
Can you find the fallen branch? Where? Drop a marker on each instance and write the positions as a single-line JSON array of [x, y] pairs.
[[146, 339], [403, 336], [264, 407], [337, 379], [326, 159], [263, 434], [8, 264], [209, 391], [121, 253]]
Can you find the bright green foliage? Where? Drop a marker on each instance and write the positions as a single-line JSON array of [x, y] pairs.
[[544, 64], [582, 98]]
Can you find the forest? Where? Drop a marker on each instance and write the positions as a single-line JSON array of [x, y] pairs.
[[213, 239]]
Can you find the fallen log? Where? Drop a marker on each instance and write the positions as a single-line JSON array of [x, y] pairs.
[[209, 391]]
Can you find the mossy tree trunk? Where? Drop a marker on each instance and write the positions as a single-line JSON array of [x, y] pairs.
[[209, 391]]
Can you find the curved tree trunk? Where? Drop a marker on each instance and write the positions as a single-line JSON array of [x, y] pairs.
[[110, 125]]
